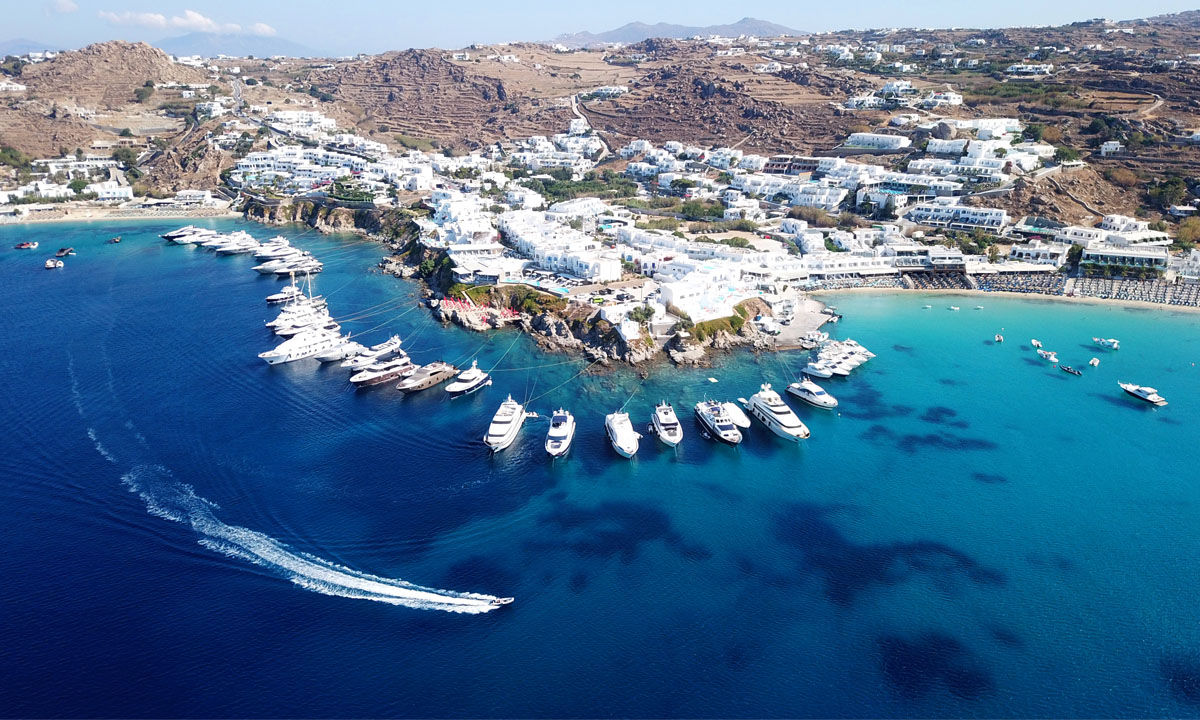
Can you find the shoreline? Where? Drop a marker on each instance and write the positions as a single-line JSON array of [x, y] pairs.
[[91, 214], [1077, 299]]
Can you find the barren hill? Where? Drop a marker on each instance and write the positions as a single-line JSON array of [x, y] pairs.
[[104, 75]]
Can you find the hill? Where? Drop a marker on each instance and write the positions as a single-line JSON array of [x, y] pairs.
[[214, 44], [104, 75], [637, 31]]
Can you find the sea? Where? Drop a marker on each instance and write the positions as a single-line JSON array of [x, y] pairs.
[[189, 532]]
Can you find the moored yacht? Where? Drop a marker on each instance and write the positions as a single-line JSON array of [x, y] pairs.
[[54, 264], [621, 434], [666, 424], [427, 376], [1142, 392], [1110, 343], [1049, 355], [812, 393], [373, 353], [349, 348], [325, 325], [287, 293], [469, 381], [505, 425], [383, 371], [772, 411], [185, 230], [561, 433], [304, 345], [736, 416], [303, 265], [716, 422], [818, 369]]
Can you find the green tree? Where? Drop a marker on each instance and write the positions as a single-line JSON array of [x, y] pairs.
[[126, 132], [1066, 154], [77, 185], [125, 156]]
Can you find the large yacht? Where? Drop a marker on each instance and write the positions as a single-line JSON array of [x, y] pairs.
[[303, 265], [812, 393], [772, 411], [666, 424], [301, 346], [469, 381], [506, 423], [427, 376], [348, 348], [285, 294], [621, 434], [272, 266], [325, 325], [197, 237], [239, 246], [185, 230], [373, 353], [561, 433], [383, 371], [716, 422], [1142, 392]]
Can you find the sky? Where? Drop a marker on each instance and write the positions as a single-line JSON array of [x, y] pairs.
[[351, 26]]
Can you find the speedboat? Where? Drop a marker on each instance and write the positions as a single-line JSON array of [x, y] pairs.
[[716, 423], [383, 371], [1048, 355], [427, 376], [185, 230], [505, 425], [772, 411], [621, 434], [736, 416], [63, 252], [855, 347], [1094, 362], [53, 264], [26, 246], [469, 381], [1142, 392], [373, 353], [1069, 369], [666, 424], [818, 369], [114, 240], [926, 307], [812, 393], [999, 338], [953, 308], [341, 352], [1110, 343], [303, 345], [561, 433], [1036, 343], [502, 601], [840, 369]]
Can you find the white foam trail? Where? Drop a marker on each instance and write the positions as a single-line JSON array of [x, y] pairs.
[[91, 433], [167, 498]]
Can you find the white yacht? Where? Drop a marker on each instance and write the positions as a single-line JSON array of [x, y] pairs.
[[666, 424], [1142, 392], [1110, 343], [373, 353], [349, 348], [427, 376], [326, 325], [855, 346], [561, 433], [715, 420], [469, 381], [506, 423], [185, 230], [1049, 355], [239, 246], [299, 317], [278, 252], [772, 411], [301, 346], [621, 434], [1036, 343], [286, 294], [383, 371], [274, 265], [303, 265], [812, 393], [736, 416], [818, 369]]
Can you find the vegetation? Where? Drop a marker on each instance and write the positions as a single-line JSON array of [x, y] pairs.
[[815, 217], [642, 314], [663, 223], [1187, 234], [724, 226], [143, 93], [1166, 193], [414, 143], [731, 324], [126, 156], [1038, 93], [15, 158], [1122, 176], [604, 184], [1065, 154], [349, 193], [831, 246], [701, 209], [77, 185]]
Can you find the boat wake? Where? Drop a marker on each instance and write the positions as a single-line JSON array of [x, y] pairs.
[[170, 499]]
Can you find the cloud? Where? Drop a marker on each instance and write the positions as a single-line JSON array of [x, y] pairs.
[[189, 21], [62, 6]]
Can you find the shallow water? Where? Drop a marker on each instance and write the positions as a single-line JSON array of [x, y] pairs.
[[191, 532]]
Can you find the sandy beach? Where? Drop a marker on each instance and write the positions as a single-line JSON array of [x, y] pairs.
[[977, 294], [81, 213]]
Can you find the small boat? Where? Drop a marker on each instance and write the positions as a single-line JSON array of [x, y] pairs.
[[1069, 369], [999, 338], [736, 416], [427, 376], [665, 424], [812, 393], [772, 411], [716, 423], [505, 425], [818, 369], [53, 264], [1094, 362], [502, 601], [561, 433], [1110, 343], [621, 434], [1036, 343], [469, 381], [1048, 355], [978, 307], [954, 308], [383, 371], [26, 246], [1142, 392], [63, 252], [114, 240], [926, 307]]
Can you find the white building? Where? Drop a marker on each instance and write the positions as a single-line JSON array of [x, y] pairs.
[[945, 212], [877, 141], [1026, 69]]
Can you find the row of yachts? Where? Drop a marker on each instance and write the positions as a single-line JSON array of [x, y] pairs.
[[277, 256]]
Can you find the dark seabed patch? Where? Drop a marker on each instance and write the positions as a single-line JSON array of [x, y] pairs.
[[912, 442], [1005, 637], [578, 582], [866, 403], [902, 348], [719, 492], [482, 574], [939, 415], [913, 668], [849, 568], [951, 382], [989, 478], [1182, 676], [615, 528]]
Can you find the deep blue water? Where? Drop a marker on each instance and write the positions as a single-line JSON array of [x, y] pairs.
[[973, 534]]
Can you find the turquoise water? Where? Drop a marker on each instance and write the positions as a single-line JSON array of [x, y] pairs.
[[972, 533]]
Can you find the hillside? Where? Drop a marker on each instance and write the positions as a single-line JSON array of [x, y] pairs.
[[104, 76]]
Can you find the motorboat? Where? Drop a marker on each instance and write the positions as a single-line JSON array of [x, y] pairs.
[[174, 234], [238, 247], [505, 425], [63, 252], [812, 393], [561, 433], [1110, 343], [303, 345], [666, 424], [716, 422], [926, 307], [274, 265], [53, 264], [978, 307], [1069, 369], [114, 240], [298, 317], [329, 325], [818, 369], [305, 265], [856, 347], [621, 434], [1142, 392], [501, 601], [427, 376], [999, 338], [840, 369], [736, 416], [1048, 355], [1035, 343], [373, 353], [268, 248], [29, 245], [469, 381], [772, 411], [198, 236], [1094, 362], [383, 371], [286, 294], [954, 308], [347, 349]]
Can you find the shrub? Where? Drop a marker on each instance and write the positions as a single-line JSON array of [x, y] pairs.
[[1122, 176]]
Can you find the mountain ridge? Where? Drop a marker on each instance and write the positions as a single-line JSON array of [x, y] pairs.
[[638, 31], [213, 44]]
